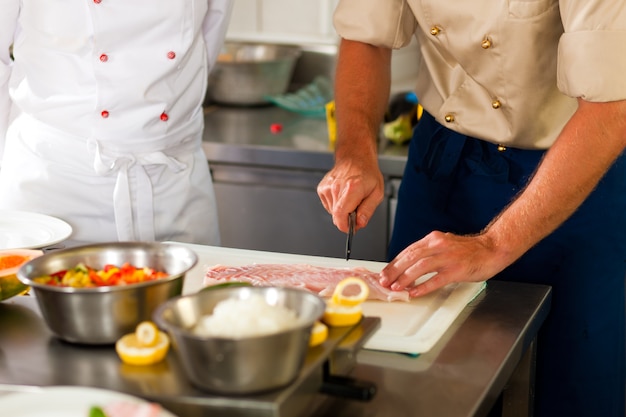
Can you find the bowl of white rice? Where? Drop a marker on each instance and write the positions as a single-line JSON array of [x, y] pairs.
[[241, 340]]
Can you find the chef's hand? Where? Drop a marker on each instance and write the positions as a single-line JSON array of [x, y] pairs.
[[451, 257], [355, 184]]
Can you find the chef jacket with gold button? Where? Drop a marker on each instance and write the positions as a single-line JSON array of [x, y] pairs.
[[124, 80], [504, 71]]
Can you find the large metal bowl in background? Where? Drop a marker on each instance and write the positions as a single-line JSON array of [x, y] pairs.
[[236, 366], [245, 73], [101, 315]]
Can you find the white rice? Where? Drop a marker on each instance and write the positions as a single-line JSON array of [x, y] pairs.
[[235, 319]]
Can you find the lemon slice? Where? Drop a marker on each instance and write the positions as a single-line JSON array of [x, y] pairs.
[[342, 299], [147, 333], [133, 352], [319, 333], [336, 315]]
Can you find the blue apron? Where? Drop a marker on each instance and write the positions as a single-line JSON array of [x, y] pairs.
[[455, 183]]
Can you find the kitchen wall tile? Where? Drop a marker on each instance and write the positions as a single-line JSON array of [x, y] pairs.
[[245, 16], [283, 21]]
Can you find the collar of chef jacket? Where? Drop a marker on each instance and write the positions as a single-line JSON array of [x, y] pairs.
[[506, 72]]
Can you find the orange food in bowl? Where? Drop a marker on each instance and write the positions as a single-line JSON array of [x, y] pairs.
[[10, 262]]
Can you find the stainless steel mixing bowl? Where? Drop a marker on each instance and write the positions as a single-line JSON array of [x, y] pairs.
[[245, 73], [244, 365], [101, 315]]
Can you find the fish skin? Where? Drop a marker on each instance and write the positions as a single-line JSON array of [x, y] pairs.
[[317, 279]]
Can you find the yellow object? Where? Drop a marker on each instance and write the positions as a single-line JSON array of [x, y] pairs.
[[331, 124], [147, 334], [341, 298], [319, 334], [337, 316], [133, 351], [344, 307], [10, 262]]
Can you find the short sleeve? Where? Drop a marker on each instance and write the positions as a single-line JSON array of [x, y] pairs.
[[388, 23], [591, 62]]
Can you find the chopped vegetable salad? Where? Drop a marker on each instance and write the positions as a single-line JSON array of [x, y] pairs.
[[83, 276]]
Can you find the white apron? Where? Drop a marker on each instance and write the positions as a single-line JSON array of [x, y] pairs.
[[107, 117]]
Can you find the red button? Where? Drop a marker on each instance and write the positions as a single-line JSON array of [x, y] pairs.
[[276, 128], [104, 114], [171, 55], [97, 1], [104, 58], [164, 117]]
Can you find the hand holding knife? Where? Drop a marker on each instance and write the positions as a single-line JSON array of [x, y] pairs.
[[351, 226]]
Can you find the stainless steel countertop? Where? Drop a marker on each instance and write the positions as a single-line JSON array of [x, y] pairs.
[[463, 375], [242, 135], [460, 377]]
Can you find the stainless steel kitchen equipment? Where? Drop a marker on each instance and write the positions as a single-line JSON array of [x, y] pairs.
[[34, 357], [245, 73], [101, 315], [488, 351], [240, 365]]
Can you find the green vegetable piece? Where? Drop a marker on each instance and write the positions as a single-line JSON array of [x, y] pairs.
[[96, 411]]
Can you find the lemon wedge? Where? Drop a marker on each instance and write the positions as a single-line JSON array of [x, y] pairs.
[[147, 334], [319, 333], [132, 348], [340, 295], [344, 307], [336, 315]]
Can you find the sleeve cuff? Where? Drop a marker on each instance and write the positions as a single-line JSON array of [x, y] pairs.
[[592, 65], [387, 23]]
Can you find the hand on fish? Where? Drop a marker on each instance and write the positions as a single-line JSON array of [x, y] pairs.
[[452, 258]]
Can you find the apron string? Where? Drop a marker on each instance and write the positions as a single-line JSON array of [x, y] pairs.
[[105, 164]]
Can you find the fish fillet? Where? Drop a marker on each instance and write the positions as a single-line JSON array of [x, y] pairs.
[[317, 279]]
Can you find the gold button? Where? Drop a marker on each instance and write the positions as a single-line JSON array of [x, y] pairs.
[[486, 43], [435, 30], [496, 104], [449, 118], [501, 148]]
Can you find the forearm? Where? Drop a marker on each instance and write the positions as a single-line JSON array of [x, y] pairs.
[[362, 84], [584, 151]]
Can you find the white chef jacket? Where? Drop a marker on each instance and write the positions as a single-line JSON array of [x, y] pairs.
[[504, 71], [101, 112]]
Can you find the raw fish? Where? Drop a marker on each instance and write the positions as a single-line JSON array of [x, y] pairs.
[[317, 279]]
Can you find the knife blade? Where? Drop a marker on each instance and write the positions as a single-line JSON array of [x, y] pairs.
[[351, 224]]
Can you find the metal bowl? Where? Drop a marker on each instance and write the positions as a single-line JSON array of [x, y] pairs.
[[102, 315], [246, 73], [244, 365]]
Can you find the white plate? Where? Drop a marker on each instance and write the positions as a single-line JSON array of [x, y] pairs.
[[26, 230], [61, 401]]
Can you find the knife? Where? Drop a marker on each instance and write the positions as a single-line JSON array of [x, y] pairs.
[[351, 224]]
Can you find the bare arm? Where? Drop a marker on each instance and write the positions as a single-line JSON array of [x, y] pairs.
[[590, 142], [362, 83]]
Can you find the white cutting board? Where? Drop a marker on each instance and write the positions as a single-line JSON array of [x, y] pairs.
[[408, 327]]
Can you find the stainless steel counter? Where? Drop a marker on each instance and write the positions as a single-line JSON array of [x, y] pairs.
[[243, 136], [488, 349]]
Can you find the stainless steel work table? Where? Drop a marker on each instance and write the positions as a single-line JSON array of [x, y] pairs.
[[242, 135], [488, 349]]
